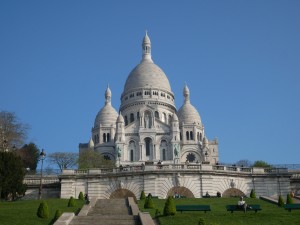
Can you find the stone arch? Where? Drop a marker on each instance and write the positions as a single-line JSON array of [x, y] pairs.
[[182, 191], [233, 192], [191, 155], [122, 193]]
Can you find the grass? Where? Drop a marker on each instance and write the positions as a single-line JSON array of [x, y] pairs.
[[269, 215], [24, 212]]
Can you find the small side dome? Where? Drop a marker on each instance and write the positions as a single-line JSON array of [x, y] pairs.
[[107, 116], [188, 114]]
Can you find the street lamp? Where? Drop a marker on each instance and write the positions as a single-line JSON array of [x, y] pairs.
[[42, 157]]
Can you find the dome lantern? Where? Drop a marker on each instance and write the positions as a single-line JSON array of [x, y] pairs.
[[146, 46]]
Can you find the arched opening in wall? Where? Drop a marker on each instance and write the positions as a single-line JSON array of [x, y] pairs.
[[191, 135], [104, 137], [164, 118], [198, 136], [122, 193], [180, 191], [170, 119], [131, 155], [180, 136], [187, 135], [156, 115], [164, 154], [131, 117], [126, 120], [233, 192], [148, 146], [108, 137]]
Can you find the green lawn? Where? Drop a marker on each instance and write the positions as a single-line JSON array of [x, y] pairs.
[[24, 212], [269, 215]]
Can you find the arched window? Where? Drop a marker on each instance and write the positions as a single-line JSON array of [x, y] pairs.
[[108, 137], [126, 121], [156, 115], [187, 135], [131, 155], [104, 137], [170, 119], [148, 144], [191, 135], [200, 137], [180, 136], [164, 154], [131, 117], [138, 115], [147, 119]]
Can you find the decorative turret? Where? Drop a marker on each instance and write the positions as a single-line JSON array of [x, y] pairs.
[[91, 144], [107, 96], [146, 46], [120, 131]]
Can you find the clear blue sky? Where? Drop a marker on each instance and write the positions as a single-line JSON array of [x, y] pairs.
[[240, 59]]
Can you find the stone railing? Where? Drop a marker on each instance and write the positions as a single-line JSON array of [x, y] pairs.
[[172, 167]]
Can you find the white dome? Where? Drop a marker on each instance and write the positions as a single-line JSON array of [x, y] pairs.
[[188, 114], [106, 116], [147, 75]]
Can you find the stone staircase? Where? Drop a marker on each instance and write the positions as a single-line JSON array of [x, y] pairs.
[[108, 212]]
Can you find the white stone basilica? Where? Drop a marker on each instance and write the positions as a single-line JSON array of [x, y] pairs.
[[148, 127]]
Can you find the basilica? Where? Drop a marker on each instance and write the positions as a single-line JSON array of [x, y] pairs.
[[147, 127]]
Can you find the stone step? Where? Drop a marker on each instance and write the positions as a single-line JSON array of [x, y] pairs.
[[101, 221], [107, 217]]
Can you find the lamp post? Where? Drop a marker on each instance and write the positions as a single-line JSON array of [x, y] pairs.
[[42, 157]]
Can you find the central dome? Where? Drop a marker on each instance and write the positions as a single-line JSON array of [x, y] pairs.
[[147, 74]]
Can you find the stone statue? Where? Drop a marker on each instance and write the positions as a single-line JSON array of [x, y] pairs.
[[176, 150], [119, 151]]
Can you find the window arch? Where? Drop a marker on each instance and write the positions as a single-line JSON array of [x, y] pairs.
[[104, 137], [156, 115], [108, 137], [131, 117], [187, 135], [148, 146], [191, 135]]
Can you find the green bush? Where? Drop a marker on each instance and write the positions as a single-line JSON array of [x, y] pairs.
[[280, 201], [58, 213], [149, 203], [143, 196], [157, 213], [80, 196], [201, 221], [43, 210], [71, 202], [169, 209], [289, 199], [252, 194]]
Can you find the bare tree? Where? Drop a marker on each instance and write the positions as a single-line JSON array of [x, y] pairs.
[[64, 160], [244, 162], [92, 159], [12, 131]]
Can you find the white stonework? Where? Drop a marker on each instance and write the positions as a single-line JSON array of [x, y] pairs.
[[147, 127], [161, 181]]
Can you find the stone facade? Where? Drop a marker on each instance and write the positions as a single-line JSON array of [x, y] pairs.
[[187, 180]]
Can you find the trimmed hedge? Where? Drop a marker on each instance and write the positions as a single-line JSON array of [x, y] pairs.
[[71, 202], [43, 210], [280, 201], [169, 209]]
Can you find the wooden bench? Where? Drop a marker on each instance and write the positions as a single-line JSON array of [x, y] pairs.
[[291, 207], [249, 208], [193, 208]]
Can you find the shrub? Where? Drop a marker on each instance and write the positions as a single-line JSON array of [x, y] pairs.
[[289, 199], [80, 196], [58, 213], [149, 203], [71, 202], [201, 221], [143, 196], [157, 213], [252, 194], [280, 201], [43, 210], [169, 208]]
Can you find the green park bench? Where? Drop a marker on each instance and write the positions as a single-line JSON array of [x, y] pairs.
[[291, 207], [193, 208], [236, 208]]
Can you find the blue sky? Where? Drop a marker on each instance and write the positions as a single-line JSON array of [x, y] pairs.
[[240, 59]]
